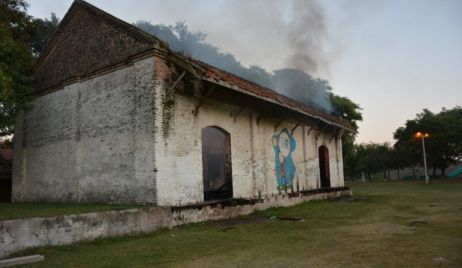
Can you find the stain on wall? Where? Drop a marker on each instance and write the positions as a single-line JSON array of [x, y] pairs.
[[92, 141], [284, 144]]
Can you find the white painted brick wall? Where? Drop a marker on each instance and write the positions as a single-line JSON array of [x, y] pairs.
[[105, 140], [90, 142], [179, 156]]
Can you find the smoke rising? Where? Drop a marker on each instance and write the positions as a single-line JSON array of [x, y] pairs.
[[307, 33], [300, 86], [304, 30]]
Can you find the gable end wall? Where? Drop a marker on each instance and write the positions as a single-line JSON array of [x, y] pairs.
[[90, 142], [86, 43]]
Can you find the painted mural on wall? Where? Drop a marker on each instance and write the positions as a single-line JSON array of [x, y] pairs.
[[284, 144]]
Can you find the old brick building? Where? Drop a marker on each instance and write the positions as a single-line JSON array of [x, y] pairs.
[[119, 117]]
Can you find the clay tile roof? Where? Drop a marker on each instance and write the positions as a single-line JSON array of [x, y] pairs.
[[234, 82], [215, 75], [6, 154]]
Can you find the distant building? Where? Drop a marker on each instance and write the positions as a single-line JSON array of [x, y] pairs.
[[118, 117]]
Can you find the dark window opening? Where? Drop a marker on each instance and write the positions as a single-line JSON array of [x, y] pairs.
[[5, 189], [323, 153], [216, 164]]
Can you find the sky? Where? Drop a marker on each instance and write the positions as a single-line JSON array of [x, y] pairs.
[[394, 58]]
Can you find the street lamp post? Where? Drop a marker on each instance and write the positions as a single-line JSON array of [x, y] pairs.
[[423, 136]]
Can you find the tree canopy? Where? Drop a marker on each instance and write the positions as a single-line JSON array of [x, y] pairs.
[[444, 144], [22, 39], [43, 30], [351, 113], [293, 83], [15, 60]]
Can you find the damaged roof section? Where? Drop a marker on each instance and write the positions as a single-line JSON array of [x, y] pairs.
[[217, 76], [89, 40]]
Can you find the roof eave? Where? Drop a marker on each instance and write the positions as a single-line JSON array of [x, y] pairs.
[[221, 83]]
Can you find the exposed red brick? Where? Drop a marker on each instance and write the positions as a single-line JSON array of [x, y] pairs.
[[6, 154], [235, 82], [89, 40]]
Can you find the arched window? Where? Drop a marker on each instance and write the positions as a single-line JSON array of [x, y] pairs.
[[216, 164], [323, 154]]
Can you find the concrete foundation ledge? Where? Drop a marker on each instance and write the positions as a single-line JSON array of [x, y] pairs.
[[20, 234], [21, 260]]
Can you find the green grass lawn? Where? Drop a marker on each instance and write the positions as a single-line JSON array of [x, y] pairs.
[[28, 210], [396, 224]]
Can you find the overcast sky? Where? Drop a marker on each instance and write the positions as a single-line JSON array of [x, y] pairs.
[[394, 58]]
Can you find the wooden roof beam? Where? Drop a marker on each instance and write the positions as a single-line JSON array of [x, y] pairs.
[[278, 124], [203, 98], [294, 128], [236, 114], [172, 87]]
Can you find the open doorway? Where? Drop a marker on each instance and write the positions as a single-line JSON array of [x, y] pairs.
[[6, 157], [323, 153], [216, 164]]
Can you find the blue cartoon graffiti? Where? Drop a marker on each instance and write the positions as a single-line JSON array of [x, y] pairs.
[[284, 145]]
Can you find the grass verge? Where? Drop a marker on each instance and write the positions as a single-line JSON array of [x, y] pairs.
[[395, 224], [29, 210]]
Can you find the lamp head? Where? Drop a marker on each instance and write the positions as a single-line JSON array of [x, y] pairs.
[[422, 135]]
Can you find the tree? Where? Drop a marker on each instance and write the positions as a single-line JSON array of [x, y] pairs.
[[443, 147], [43, 31], [347, 110], [22, 39], [350, 112], [293, 83], [16, 60], [371, 158], [399, 158]]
